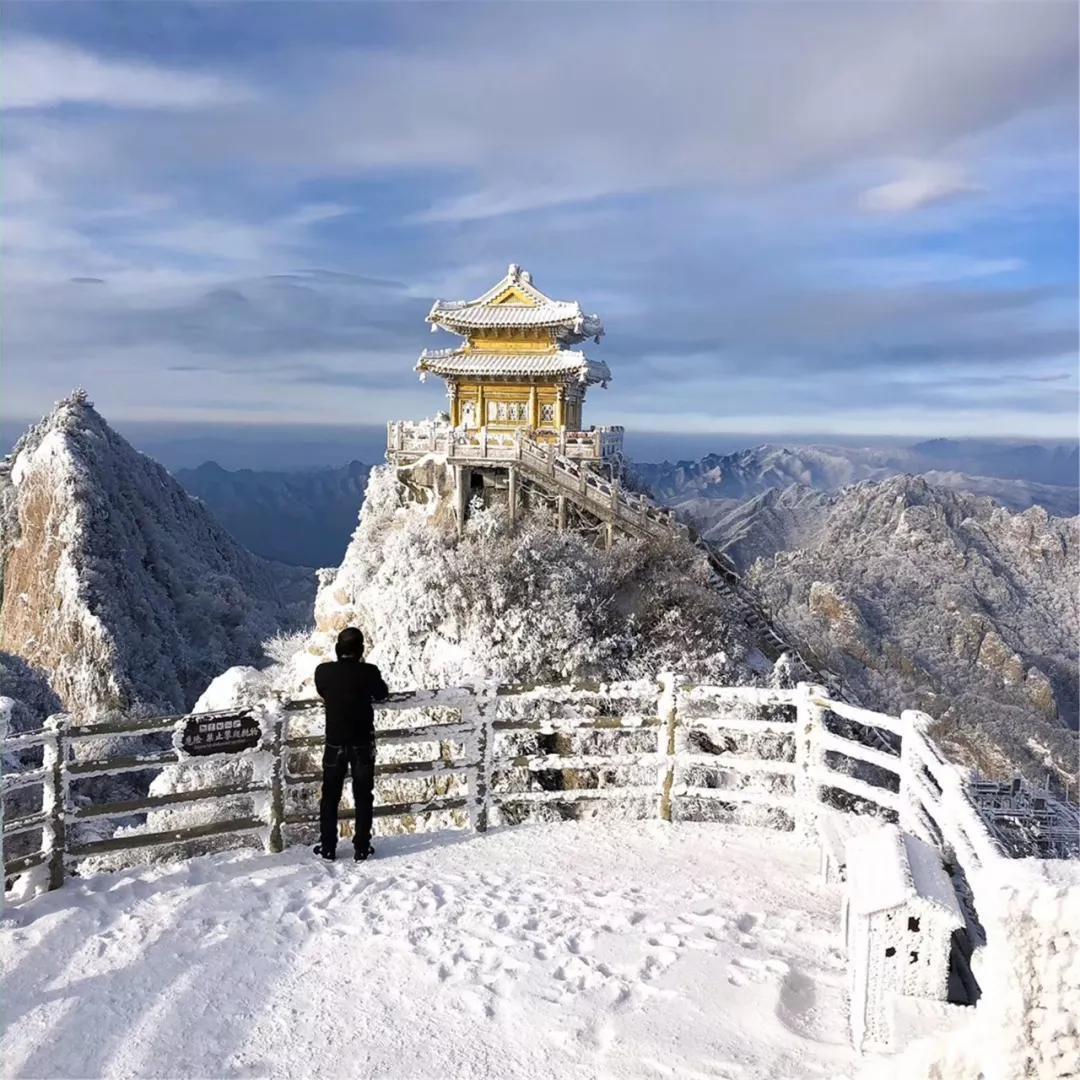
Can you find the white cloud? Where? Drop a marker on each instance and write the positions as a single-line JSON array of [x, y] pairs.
[[924, 184], [39, 74], [920, 269]]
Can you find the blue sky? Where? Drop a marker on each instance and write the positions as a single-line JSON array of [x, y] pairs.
[[853, 219]]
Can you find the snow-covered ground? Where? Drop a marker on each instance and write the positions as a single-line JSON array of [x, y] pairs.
[[602, 949]]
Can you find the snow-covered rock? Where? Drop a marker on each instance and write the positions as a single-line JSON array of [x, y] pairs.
[[117, 586], [520, 604], [238, 687]]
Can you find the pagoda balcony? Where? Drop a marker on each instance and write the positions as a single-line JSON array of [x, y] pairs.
[[408, 439]]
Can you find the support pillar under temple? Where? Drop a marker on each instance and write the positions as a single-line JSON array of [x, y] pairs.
[[461, 496]]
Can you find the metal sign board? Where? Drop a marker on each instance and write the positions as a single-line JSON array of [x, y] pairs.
[[220, 734]]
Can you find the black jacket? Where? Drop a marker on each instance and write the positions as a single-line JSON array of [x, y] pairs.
[[348, 687]]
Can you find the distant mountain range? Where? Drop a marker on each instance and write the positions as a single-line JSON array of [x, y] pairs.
[[304, 517], [1017, 476]]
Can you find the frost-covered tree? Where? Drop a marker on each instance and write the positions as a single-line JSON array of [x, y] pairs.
[[521, 603]]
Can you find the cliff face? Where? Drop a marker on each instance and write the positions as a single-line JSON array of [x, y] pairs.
[[117, 586], [924, 597]]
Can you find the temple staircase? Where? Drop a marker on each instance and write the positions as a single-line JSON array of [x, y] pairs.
[[617, 510]]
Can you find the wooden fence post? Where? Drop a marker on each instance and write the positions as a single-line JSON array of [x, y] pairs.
[[484, 736], [54, 797], [809, 722], [276, 843], [666, 710], [911, 819]]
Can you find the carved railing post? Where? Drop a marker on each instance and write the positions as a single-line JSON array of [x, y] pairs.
[[278, 748], [483, 715], [54, 797], [809, 757], [666, 711]]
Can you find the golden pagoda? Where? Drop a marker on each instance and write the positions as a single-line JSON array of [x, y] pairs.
[[514, 370]]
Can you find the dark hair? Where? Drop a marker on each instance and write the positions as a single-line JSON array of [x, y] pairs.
[[350, 644]]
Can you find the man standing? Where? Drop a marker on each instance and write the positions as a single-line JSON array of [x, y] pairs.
[[348, 686]]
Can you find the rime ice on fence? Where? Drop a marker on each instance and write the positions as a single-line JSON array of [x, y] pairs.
[[900, 913]]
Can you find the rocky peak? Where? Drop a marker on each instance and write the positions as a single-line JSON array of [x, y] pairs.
[[117, 586]]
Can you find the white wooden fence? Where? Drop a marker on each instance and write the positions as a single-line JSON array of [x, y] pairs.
[[671, 749], [487, 756]]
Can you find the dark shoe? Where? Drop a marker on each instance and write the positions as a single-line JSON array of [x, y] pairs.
[[329, 856], [363, 855]]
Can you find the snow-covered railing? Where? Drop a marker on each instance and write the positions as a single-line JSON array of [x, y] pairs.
[[669, 748], [561, 462], [411, 438], [676, 750]]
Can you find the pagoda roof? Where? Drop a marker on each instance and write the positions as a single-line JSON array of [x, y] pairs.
[[465, 361], [516, 302]]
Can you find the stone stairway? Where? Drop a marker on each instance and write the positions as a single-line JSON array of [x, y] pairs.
[[633, 514], [576, 481]]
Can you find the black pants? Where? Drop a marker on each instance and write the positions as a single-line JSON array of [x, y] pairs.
[[337, 761]]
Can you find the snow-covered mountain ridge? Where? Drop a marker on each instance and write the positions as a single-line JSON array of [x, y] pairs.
[[920, 596], [117, 586], [703, 489]]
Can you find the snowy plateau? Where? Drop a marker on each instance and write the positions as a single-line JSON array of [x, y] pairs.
[[581, 937]]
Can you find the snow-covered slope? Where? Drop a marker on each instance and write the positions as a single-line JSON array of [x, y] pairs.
[[117, 586], [925, 597], [615, 949], [304, 517]]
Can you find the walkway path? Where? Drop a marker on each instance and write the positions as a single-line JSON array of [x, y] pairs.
[[574, 950]]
